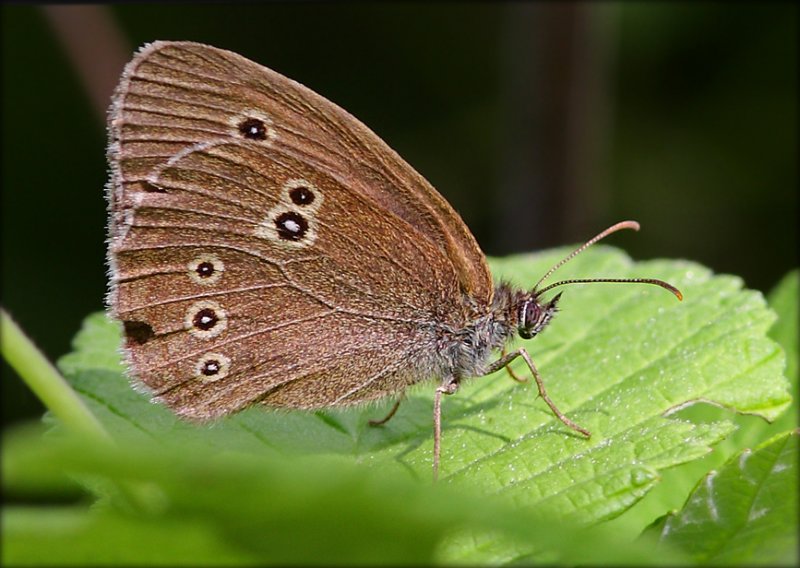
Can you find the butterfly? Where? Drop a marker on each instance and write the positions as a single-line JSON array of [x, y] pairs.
[[267, 248]]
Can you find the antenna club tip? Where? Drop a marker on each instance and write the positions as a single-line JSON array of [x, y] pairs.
[[630, 225], [677, 293]]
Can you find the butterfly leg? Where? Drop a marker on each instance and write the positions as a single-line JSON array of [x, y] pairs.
[[511, 371], [388, 417], [449, 386], [505, 360]]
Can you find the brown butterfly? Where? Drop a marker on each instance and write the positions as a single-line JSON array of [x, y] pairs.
[[265, 247]]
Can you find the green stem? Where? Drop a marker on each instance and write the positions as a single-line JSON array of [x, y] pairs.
[[58, 396], [45, 381]]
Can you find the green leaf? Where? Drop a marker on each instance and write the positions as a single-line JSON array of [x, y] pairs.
[[746, 513], [784, 300], [678, 482], [618, 359]]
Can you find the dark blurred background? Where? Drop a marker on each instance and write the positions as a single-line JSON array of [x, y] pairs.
[[540, 122]]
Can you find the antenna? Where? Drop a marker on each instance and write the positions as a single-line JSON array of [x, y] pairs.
[[612, 229]]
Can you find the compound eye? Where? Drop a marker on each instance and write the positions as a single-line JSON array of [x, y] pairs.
[[532, 313], [528, 317]]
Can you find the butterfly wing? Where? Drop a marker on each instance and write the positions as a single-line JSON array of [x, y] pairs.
[[245, 272], [208, 88]]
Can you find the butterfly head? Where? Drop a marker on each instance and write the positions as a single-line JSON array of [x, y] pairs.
[[534, 314]]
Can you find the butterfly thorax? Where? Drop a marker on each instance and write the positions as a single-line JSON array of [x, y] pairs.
[[466, 351]]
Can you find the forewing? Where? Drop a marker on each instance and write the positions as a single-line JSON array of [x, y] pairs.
[[209, 89]]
